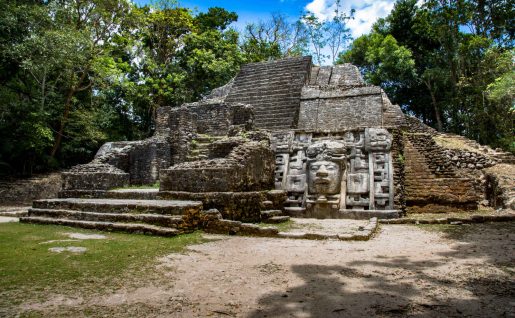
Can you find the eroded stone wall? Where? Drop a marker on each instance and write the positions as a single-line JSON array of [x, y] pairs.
[[432, 183], [119, 164], [248, 167], [337, 99]]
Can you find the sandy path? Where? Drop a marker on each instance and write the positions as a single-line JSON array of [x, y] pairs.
[[403, 271]]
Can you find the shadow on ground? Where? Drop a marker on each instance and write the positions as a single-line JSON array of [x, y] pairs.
[[483, 255]]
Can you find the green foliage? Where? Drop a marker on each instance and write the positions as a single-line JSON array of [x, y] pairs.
[[273, 39], [401, 159], [447, 62], [383, 61], [27, 266], [74, 74], [328, 35], [215, 19]]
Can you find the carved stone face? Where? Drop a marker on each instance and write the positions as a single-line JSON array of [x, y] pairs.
[[324, 177], [377, 139]]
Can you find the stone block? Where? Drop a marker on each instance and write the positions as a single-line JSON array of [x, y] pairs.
[[358, 183]]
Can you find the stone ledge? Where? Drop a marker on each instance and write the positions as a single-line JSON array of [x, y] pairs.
[[366, 214], [467, 220], [105, 226], [173, 221], [173, 207], [220, 226]]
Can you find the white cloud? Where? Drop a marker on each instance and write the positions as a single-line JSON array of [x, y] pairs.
[[367, 12]]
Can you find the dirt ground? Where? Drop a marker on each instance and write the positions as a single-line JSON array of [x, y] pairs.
[[404, 271]]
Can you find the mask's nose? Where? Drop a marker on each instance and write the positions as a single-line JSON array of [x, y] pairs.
[[322, 172]]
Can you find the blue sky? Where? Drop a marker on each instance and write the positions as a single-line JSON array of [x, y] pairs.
[[367, 11]]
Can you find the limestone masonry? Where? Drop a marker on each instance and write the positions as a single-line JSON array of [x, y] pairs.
[[284, 138]]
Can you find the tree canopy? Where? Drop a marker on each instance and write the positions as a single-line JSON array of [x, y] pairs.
[[448, 62], [77, 73]]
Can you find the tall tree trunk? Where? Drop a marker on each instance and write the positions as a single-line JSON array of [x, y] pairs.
[[439, 124], [66, 113], [67, 108]]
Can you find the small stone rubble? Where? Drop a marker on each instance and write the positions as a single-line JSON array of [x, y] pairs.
[[468, 160]]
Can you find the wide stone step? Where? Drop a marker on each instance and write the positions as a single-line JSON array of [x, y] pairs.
[[152, 219], [247, 81], [276, 67], [266, 214], [264, 95], [262, 79], [196, 158], [273, 121], [202, 145], [275, 117], [273, 127], [274, 108], [277, 219], [259, 102], [169, 207], [105, 226], [265, 92], [260, 84], [282, 118], [132, 194]]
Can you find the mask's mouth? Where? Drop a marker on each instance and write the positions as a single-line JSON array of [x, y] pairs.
[[322, 181]]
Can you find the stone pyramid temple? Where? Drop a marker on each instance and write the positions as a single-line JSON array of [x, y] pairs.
[[283, 138]]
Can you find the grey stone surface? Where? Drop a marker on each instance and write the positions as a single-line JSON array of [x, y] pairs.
[[273, 90], [170, 207], [7, 219], [72, 249], [248, 167], [106, 226], [325, 177]]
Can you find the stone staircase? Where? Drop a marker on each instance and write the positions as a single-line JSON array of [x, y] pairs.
[[157, 217], [199, 148], [428, 191], [273, 89], [269, 215], [504, 157]]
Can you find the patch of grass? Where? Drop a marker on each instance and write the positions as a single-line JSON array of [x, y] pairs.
[[282, 227], [29, 271], [454, 143]]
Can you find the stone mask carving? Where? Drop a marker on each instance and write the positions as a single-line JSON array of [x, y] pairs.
[[325, 160], [377, 139], [324, 177]]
